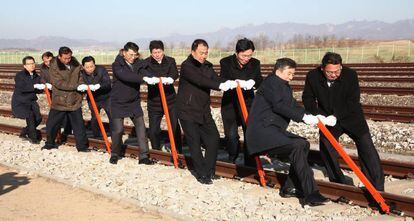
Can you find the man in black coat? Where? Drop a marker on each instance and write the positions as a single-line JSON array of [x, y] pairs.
[[270, 114], [44, 67], [246, 70], [97, 78], [24, 99], [193, 107], [164, 67], [332, 91], [128, 74]]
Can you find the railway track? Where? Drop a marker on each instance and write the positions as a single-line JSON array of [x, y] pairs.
[[373, 112], [394, 168], [10, 76], [400, 205]]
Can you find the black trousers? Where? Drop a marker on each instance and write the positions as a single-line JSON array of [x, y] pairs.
[[367, 154], [232, 141], [67, 128], [155, 118], [117, 130], [54, 122], [105, 104], [32, 121], [300, 173], [207, 135]]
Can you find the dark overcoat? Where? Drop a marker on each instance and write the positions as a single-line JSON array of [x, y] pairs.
[[342, 99], [25, 95], [270, 114], [125, 93]]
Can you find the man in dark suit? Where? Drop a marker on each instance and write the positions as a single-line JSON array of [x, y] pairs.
[[164, 67], [271, 112], [97, 77], [128, 74], [44, 67], [246, 70], [193, 108], [24, 99], [332, 91]]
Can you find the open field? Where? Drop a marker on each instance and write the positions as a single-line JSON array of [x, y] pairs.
[[397, 51]]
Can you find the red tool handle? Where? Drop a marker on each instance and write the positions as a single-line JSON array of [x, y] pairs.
[[375, 194], [169, 127], [49, 99], [245, 114], [98, 118]]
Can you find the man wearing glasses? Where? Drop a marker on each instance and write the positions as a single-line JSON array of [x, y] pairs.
[[246, 70], [128, 74], [332, 91], [24, 99]]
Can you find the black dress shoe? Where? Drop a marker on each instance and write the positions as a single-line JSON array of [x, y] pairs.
[[113, 160], [85, 150], [290, 192], [46, 147], [214, 177], [146, 161], [315, 199], [34, 141], [204, 180]]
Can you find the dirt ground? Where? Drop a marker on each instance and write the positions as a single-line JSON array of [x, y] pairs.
[[24, 197]]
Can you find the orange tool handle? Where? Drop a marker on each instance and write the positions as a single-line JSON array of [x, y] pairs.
[[98, 118], [169, 127], [245, 114], [375, 194], [49, 99]]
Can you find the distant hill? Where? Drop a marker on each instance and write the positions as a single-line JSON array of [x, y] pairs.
[[53, 43], [281, 32]]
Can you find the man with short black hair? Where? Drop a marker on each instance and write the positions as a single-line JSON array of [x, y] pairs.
[[332, 91], [97, 77], [246, 70], [128, 74], [272, 110], [24, 99], [44, 67], [193, 107], [164, 67], [66, 99]]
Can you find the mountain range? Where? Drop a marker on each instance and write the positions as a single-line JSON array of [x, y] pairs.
[[280, 32]]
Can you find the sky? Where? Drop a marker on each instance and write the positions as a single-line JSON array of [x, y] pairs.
[[128, 19]]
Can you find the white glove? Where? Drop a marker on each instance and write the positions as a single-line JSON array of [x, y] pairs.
[[249, 84], [96, 87], [148, 80], [82, 87], [321, 118], [151, 80], [224, 86], [330, 120], [155, 80], [39, 86], [231, 84], [167, 80], [242, 83], [310, 119], [49, 86]]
